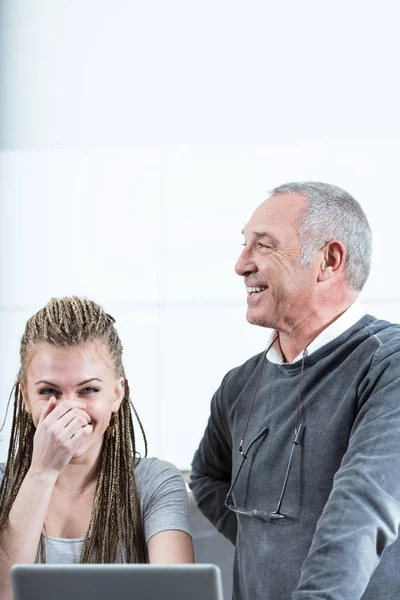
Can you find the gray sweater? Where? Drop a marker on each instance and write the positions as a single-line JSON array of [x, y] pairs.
[[343, 493]]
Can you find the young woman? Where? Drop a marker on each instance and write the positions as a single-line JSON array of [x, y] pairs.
[[73, 488]]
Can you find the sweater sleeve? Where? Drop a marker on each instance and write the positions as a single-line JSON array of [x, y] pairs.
[[211, 475], [362, 514]]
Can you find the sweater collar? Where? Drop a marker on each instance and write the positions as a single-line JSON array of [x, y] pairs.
[[349, 318]]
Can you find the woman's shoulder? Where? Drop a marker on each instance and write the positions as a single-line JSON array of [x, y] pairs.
[[156, 478], [154, 468]]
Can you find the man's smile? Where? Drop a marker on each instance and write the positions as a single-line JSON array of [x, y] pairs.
[[256, 290]]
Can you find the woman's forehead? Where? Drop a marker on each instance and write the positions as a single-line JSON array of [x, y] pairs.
[[44, 356]]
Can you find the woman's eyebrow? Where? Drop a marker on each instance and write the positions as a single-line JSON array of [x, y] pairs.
[[78, 384]]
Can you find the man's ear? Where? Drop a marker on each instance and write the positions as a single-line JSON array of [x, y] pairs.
[[27, 405], [119, 394], [332, 260]]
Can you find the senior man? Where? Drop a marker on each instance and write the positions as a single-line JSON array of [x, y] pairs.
[[299, 465]]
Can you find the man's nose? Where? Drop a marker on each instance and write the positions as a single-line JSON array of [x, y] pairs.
[[245, 263]]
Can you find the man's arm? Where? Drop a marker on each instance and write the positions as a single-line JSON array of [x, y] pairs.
[[211, 475], [362, 515]]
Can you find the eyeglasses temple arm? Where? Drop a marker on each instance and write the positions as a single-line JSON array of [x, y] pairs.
[[295, 442], [263, 432]]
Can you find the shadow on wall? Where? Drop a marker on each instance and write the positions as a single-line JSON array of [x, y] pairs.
[[210, 546]]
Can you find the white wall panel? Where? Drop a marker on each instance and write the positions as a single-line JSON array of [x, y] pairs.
[[87, 73], [75, 222], [200, 345], [388, 311]]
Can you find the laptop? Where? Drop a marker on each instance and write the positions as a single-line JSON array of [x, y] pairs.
[[116, 582]]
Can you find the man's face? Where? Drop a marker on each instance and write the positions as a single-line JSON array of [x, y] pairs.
[[270, 262]]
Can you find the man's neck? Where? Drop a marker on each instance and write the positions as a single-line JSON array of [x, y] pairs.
[[295, 341]]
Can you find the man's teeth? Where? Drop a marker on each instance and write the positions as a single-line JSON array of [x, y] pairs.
[[252, 290]]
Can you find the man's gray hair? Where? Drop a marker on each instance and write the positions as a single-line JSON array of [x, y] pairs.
[[332, 214]]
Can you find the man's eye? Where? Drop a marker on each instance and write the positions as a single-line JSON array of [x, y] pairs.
[[89, 390], [260, 245], [49, 392]]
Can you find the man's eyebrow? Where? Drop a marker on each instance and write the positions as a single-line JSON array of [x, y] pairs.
[[262, 234], [78, 384]]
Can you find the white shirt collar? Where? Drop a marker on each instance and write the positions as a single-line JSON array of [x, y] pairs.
[[353, 314]]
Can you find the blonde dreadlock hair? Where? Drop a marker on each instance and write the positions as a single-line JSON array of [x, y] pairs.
[[115, 527]]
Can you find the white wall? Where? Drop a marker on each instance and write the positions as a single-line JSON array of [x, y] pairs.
[[135, 140]]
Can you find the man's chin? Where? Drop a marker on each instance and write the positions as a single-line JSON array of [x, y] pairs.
[[262, 320]]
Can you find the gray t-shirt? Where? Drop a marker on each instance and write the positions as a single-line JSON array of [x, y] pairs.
[[164, 505]]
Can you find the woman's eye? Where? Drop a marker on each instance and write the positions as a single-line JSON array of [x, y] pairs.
[[89, 390], [49, 392]]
